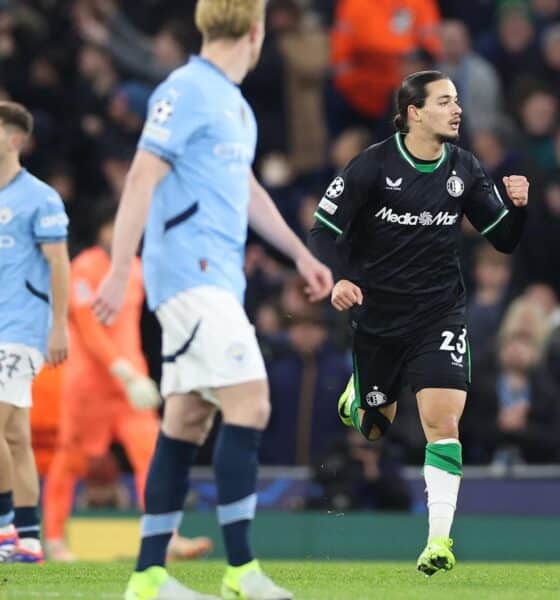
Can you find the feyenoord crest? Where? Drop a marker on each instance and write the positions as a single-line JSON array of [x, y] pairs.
[[455, 186], [335, 188], [376, 398]]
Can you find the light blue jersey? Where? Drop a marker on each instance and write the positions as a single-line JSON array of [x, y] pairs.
[[202, 126], [31, 213]]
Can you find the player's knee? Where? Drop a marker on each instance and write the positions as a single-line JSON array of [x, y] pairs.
[[252, 410], [253, 414], [442, 426], [200, 419], [19, 440], [193, 425], [262, 413]]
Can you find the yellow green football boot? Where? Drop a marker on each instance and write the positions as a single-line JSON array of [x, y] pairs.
[[156, 584], [437, 556], [248, 582], [345, 403]]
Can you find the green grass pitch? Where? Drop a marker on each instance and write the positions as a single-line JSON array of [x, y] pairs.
[[312, 580]]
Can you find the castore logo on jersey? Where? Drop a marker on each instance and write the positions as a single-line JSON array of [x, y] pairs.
[[393, 185]]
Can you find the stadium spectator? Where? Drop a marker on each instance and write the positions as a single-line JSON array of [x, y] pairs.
[[478, 15], [549, 71], [149, 59], [551, 352], [307, 371], [347, 145], [416, 60], [538, 116], [498, 156], [279, 179], [303, 44], [543, 295], [265, 277], [325, 9], [475, 78], [513, 412], [96, 79], [368, 42], [486, 307], [537, 258], [60, 175], [545, 12], [512, 46], [266, 87]]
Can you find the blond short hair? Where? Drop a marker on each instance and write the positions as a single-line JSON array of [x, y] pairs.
[[526, 319], [232, 19]]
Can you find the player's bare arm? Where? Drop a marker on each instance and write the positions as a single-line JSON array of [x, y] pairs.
[[517, 189], [146, 171], [267, 221], [57, 257]]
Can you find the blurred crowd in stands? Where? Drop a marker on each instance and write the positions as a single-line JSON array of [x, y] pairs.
[[321, 93]]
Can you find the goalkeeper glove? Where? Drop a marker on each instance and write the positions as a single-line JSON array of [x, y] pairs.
[[142, 391]]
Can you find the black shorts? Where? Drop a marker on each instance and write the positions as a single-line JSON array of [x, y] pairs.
[[437, 358]]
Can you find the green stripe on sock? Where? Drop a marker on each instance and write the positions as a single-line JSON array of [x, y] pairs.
[[447, 457]]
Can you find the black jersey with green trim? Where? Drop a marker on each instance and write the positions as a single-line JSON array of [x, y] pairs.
[[397, 223]]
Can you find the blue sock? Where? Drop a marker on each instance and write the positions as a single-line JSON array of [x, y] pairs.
[[26, 520], [166, 490], [236, 464], [6, 509]]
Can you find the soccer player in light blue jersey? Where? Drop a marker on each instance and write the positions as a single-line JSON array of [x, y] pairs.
[[34, 272], [191, 179]]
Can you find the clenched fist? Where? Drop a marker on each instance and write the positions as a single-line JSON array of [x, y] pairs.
[[345, 294], [517, 188]]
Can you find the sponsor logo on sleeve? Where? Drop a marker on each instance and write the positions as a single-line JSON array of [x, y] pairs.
[[159, 134], [60, 220], [328, 206]]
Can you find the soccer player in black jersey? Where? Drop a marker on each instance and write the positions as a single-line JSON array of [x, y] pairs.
[[389, 227]]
